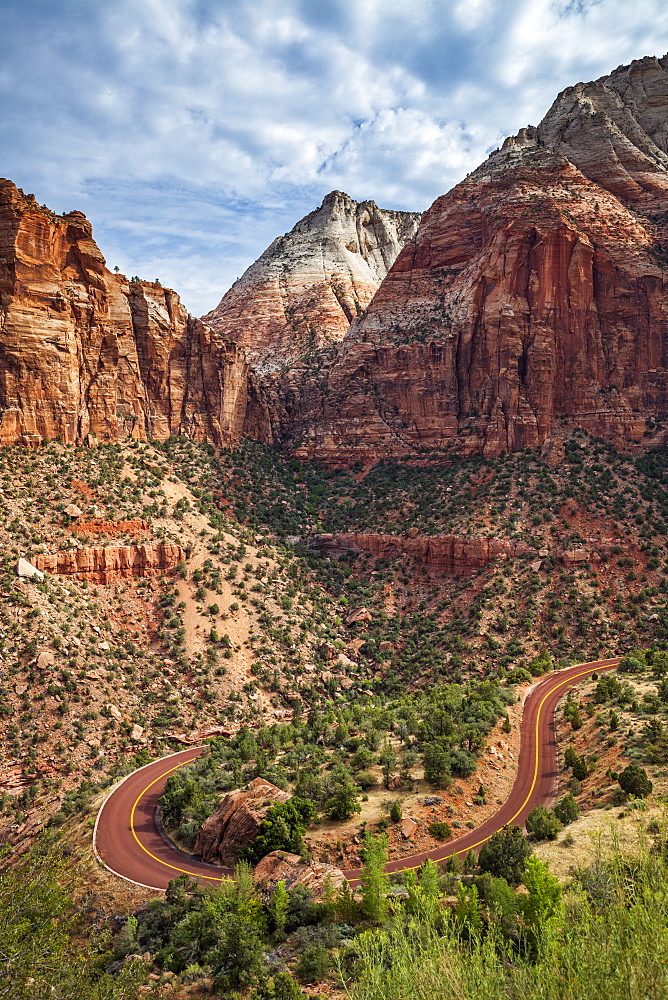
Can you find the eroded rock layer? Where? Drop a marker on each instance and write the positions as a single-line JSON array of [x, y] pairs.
[[306, 288], [85, 353], [104, 563], [452, 555], [533, 296]]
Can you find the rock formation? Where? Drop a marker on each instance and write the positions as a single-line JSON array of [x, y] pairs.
[[85, 354], [532, 298], [279, 866], [236, 822], [112, 562], [453, 555], [306, 288]]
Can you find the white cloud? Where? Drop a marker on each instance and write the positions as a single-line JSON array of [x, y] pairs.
[[224, 121]]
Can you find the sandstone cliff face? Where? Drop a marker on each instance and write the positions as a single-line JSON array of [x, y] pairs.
[[533, 297], [452, 555], [102, 564], [83, 352], [306, 288], [236, 822]]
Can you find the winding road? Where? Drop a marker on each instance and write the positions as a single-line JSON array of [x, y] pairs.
[[127, 839]]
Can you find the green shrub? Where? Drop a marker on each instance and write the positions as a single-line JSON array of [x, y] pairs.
[[566, 810], [634, 781], [505, 854], [543, 824], [314, 964], [440, 830]]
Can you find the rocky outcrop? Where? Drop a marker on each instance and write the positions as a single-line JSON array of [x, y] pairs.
[[279, 866], [86, 355], [112, 562], [453, 555], [236, 822], [533, 298], [303, 292], [99, 526], [616, 130]]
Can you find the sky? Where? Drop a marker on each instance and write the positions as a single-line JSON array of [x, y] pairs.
[[193, 132]]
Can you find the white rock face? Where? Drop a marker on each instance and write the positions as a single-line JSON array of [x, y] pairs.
[[27, 571], [614, 129], [306, 288]]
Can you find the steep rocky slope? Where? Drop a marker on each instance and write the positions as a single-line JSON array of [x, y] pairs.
[[306, 288], [533, 297], [87, 353]]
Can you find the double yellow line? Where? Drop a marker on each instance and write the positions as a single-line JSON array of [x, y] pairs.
[[225, 878]]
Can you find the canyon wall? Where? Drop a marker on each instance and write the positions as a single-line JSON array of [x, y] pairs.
[[85, 354], [529, 300], [533, 298], [303, 292]]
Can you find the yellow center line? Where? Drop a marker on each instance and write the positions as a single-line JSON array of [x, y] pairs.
[[567, 680], [225, 878], [184, 871]]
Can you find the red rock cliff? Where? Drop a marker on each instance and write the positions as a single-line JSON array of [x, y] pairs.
[[453, 555], [83, 352], [533, 297], [101, 564]]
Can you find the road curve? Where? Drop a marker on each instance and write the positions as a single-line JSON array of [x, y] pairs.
[[128, 842]]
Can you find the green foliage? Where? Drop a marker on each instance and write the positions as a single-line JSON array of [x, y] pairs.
[[436, 762], [440, 830], [282, 829], [280, 986], [543, 824], [44, 951], [222, 929], [630, 665], [424, 892], [278, 907], [504, 855], [314, 964], [634, 781], [343, 801], [373, 880], [542, 902], [468, 911], [566, 810], [587, 950], [396, 811]]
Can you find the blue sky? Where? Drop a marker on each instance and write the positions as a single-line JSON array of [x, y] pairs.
[[192, 132]]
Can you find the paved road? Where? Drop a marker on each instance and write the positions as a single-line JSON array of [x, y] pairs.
[[128, 842]]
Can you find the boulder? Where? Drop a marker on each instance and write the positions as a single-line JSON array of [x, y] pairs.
[[407, 827], [361, 615], [27, 571], [279, 866], [236, 822]]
